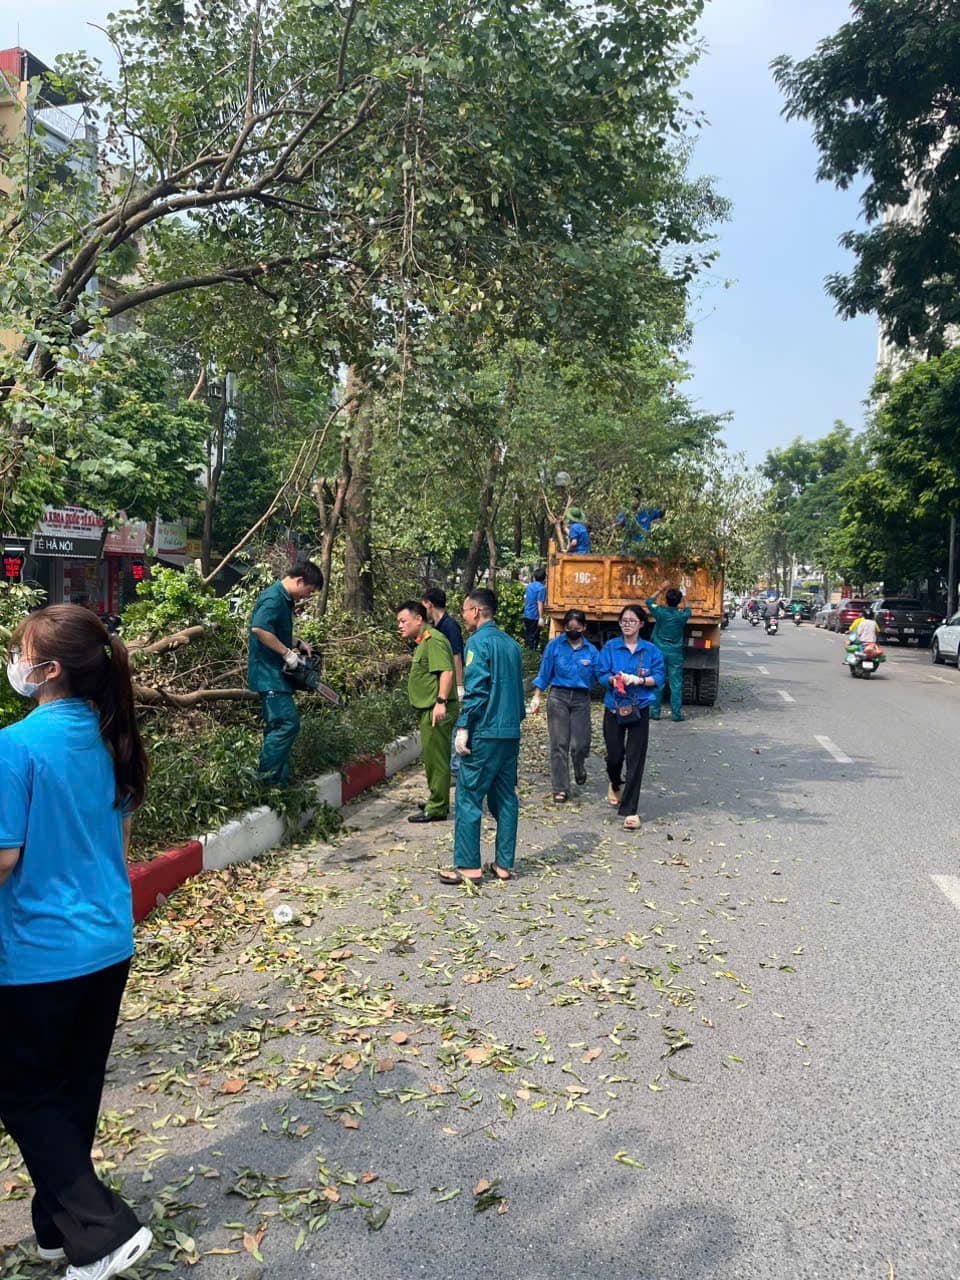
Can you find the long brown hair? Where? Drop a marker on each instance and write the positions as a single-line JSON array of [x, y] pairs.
[[97, 669]]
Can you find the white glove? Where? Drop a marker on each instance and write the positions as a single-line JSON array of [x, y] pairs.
[[535, 703], [291, 660], [460, 692], [460, 740], [629, 679]]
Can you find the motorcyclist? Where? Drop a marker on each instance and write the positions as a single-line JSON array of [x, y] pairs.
[[863, 630], [796, 610], [771, 610], [753, 606]]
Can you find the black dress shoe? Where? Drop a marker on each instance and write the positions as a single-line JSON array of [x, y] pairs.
[[427, 817]]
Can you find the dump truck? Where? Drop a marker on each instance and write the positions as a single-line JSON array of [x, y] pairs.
[[602, 585]]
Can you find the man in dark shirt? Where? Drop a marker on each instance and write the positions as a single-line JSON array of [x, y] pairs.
[[270, 653], [434, 601]]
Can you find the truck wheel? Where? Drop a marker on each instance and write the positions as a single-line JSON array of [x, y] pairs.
[[708, 688], [689, 687]]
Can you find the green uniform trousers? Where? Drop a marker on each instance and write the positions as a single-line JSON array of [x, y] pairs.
[[673, 661], [435, 749], [281, 724], [488, 773]]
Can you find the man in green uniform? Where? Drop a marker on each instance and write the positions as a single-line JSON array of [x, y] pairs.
[[271, 652], [431, 691], [669, 623], [488, 741]]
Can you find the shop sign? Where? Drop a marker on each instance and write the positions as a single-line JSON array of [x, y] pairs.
[[75, 522], [138, 571], [128, 539], [11, 568], [170, 537], [67, 548]]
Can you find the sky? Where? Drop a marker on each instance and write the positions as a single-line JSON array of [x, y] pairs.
[[768, 349]]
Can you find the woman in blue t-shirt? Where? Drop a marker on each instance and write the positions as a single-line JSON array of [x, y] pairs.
[[73, 772], [632, 672], [568, 669]]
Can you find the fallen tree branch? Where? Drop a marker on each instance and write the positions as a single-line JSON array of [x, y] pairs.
[[167, 644], [149, 697]]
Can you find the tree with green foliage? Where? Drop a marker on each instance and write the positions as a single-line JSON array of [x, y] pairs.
[[883, 95]]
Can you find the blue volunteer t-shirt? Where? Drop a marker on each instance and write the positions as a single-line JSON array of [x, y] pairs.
[[65, 909], [535, 591], [579, 538]]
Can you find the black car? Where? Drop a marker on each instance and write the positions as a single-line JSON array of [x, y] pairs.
[[902, 618]]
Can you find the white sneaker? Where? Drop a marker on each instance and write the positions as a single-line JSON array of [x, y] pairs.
[[114, 1264], [50, 1255]]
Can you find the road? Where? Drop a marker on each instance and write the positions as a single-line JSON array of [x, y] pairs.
[[720, 1048]]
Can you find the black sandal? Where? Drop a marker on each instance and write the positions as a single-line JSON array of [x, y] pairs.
[[559, 797], [495, 872], [454, 877]]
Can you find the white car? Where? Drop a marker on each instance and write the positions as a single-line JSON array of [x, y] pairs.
[[946, 641]]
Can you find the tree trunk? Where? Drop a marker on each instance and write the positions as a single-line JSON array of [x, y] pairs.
[[492, 554], [331, 524], [215, 452], [517, 537], [357, 507], [482, 525]]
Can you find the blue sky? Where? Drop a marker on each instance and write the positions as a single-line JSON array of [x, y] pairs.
[[769, 349]]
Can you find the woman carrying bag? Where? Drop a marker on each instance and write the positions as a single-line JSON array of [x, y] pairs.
[[73, 773], [632, 672], [568, 669]]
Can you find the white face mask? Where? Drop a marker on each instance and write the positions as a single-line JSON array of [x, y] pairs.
[[18, 673]]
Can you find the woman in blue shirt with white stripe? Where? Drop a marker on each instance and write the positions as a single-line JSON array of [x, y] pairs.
[[73, 772], [632, 672], [568, 670]]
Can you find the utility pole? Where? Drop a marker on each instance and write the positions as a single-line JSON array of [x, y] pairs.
[[952, 570]]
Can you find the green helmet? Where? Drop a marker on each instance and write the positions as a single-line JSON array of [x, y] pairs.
[[574, 513]]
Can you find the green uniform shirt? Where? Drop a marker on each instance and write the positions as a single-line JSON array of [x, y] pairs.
[[273, 612], [669, 624], [431, 657], [493, 685]]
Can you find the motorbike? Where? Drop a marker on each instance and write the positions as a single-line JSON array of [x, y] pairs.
[[773, 626], [863, 659], [754, 620], [797, 619]]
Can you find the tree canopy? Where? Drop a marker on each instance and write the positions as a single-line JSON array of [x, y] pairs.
[[883, 95]]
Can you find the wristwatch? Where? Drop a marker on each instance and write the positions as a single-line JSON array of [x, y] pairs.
[[441, 702]]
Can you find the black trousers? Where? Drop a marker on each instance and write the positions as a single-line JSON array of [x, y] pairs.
[[57, 1038], [626, 743], [531, 633]]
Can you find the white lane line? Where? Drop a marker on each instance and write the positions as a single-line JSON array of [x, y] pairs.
[[841, 757], [787, 697], [949, 886], [942, 679], [751, 653], [763, 671]]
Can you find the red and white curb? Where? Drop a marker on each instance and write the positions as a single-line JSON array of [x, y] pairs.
[[259, 829]]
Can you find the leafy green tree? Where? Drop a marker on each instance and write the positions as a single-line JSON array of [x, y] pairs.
[[883, 96]]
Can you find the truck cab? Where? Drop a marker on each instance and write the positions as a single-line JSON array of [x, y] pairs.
[[602, 585]]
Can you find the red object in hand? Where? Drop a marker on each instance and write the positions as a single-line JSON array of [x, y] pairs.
[[618, 685]]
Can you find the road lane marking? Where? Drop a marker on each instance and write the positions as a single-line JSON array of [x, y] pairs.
[[949, 886], [841, 757], [751, 653], [763, 671], [942, 679], [786, 696]]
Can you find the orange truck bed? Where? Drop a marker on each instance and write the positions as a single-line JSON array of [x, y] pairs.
[[602, 585]]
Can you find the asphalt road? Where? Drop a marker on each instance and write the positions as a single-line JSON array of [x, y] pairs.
[[720, 1049]]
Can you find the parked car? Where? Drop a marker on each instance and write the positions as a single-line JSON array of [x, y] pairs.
[[903, 619], [846, 613], [946, 641], [822, 617]]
